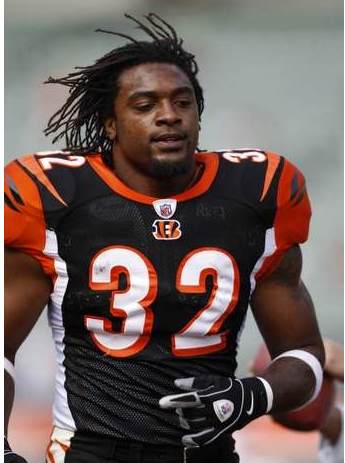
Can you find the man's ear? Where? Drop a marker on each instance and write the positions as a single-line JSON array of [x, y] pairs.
[[110, 128]]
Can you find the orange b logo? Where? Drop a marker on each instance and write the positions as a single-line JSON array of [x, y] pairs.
[[166, 229]]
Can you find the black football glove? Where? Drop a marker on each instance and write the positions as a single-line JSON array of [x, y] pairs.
[[11, 457], [216, 404]]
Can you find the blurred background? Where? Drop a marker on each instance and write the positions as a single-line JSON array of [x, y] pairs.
[[272, 72]]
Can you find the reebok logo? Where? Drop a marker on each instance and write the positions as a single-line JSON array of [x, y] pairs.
[[204, 210]]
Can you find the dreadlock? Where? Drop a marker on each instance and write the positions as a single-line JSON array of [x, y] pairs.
[[92, 89]]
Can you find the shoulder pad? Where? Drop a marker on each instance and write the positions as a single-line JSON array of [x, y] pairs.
[[254, 172], [53, 173]]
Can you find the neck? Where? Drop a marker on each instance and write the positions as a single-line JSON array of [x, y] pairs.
[[146, 184]]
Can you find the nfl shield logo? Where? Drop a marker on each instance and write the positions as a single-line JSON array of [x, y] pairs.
[[165, 208], [226, 408], [223, 409]]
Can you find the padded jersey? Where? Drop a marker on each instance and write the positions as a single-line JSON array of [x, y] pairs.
[[148, 290]]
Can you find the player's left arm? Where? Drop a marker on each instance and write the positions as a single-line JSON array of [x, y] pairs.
[[214, 405], [285, 315]]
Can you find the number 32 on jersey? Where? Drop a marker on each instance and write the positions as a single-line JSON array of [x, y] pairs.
[[201, 335]]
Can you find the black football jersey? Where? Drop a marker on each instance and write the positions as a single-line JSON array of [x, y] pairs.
[[147, 290]]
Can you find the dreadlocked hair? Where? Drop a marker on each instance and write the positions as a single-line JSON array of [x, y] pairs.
[[92, 89]]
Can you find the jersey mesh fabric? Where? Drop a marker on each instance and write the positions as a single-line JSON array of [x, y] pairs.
[[119, 397]]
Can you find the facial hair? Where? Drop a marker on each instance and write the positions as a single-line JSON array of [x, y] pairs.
[[167, 169]]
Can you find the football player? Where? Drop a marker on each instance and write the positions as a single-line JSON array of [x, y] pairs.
[[147, 252]]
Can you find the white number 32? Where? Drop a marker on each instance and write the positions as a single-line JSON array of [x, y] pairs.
[[201, 335]]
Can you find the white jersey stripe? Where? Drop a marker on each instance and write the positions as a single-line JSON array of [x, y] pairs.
[[62, 416], [60, 442], [269, 250]]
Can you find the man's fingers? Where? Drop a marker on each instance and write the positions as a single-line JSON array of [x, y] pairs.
[[186, 400], [197, 439], [186, 384], [194, 413], [183, 422], [192, 419], [197, 383]]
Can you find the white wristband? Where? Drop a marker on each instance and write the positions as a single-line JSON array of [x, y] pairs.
[[269, 393], [312, 362], [9, 367]]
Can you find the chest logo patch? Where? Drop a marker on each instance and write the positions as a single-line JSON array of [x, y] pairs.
[[166, 229], [165, 208]]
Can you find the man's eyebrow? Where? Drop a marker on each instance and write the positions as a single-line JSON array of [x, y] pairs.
[[154, 94]]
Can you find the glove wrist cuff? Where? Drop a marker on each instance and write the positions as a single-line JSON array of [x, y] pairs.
[[269, 393], [261, 392]]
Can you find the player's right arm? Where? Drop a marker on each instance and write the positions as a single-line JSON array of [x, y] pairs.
[[27, 291], [28, 273]]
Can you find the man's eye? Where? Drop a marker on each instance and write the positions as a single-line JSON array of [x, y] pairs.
[[184, 103], [144, 107]]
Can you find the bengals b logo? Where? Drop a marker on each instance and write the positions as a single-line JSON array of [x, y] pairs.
[[166, 229]]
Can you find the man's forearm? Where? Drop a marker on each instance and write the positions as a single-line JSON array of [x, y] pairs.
[[285, 314], [292, 381]]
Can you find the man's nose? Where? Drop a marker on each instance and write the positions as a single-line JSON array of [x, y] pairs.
[[167, 114]]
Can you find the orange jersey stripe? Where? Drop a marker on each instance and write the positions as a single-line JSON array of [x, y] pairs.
[[273, 160], [34, 167], [291, 222], [26, 188], [293, 217], [25, 228], [56, 450], [50, 456], [64, 447]]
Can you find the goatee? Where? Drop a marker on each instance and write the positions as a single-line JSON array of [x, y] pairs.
[[166, 169]]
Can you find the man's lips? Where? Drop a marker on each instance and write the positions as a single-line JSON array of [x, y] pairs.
[[169, 140]]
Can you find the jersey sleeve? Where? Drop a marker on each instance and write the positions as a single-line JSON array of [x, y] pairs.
[[292, 215], [293, 208], [24, 223]]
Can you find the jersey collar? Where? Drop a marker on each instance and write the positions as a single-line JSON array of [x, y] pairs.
[[209, 160]]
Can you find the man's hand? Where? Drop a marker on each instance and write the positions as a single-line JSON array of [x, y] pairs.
[[11, 457], [334, 362], [213, 405]]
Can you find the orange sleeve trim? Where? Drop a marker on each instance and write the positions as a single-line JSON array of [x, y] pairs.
[[34, 167], [270, 264], [273, 160]]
